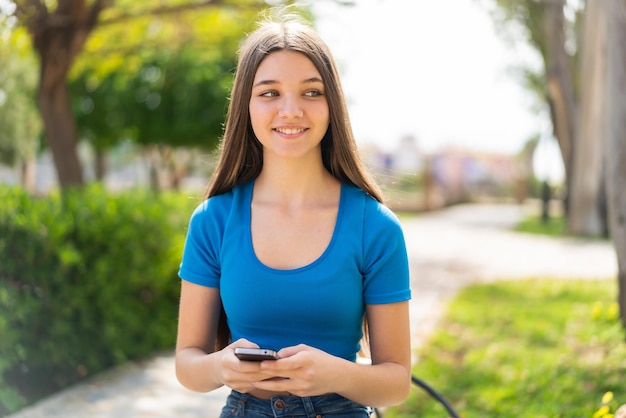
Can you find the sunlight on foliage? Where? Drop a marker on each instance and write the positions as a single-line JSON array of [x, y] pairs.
[[528, 348], [605, 311], [127, 44], [608, 404]]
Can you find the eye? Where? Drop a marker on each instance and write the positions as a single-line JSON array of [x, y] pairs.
[[269, 93], [313, 93]]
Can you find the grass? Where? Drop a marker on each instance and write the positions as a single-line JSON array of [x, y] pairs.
[[532, 348], [555, 226]]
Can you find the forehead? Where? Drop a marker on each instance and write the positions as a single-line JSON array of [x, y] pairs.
[[283, 65]]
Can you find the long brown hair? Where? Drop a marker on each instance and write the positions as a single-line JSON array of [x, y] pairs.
[[241, 155]]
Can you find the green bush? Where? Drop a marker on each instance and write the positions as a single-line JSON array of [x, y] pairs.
[[87, 281]]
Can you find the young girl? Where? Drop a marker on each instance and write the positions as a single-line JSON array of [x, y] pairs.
[[292, 249]]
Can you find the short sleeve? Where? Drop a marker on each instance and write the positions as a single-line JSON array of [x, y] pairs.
[[201, 254], [386, 266]]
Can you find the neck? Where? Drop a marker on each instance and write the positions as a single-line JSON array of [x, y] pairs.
[[294, 182]]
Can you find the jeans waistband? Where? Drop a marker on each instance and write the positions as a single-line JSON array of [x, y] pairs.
[[244, 405]]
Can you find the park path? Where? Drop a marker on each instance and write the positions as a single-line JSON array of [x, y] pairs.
[[447, 250]]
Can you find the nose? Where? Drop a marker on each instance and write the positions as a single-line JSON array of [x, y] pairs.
[[290, 107]]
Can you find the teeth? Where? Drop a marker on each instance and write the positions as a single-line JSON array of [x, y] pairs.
[[290, 131]]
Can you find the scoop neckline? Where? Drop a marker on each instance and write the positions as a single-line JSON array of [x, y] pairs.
[[312, 264]]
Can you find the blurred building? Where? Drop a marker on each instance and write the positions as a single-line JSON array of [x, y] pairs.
[[419, 181], [407, 158], [461, 175]]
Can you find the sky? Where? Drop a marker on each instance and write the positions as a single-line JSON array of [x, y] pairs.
[[432, 69]]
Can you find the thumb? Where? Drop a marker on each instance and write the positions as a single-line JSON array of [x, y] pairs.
[[293, 350], [243, 343]]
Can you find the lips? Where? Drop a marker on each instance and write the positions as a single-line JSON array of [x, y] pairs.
[[290, 131]]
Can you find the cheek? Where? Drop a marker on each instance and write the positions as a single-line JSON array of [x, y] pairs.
[[256, 115], [324, 115], [320, 111], [252, 111], [259, 110]]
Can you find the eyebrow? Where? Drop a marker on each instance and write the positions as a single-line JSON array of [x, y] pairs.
[[307, 81]]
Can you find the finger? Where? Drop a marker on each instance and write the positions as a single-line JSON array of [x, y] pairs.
[[284, 367], [274, 384], [293, 350]]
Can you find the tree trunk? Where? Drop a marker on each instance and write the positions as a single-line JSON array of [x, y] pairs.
[[560, 86], [154, 164], [100, 164], [585, 216], [28, 168], [59, 123], [58, 37], [616, 138]]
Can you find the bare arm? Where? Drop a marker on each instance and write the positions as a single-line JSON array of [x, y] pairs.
[[196, 363], [386, 382]]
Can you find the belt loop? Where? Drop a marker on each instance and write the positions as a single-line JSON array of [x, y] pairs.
[[242, 398], [308, 407]]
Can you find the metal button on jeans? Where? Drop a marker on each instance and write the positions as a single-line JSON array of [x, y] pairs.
[[279, 404]]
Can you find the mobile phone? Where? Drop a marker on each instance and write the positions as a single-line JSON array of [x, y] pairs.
[[255, 354]]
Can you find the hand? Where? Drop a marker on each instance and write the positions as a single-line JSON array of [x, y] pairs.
[[241, 375], [302, 371]]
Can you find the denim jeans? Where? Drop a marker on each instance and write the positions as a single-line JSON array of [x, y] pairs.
[[331, 406]]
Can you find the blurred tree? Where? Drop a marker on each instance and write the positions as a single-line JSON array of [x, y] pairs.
[[524, 161], [99, 118], [556, 35], [615, 111], [20, 125], [165, 86], [179, 100], [587, 210], [598, 131], [59, 30]]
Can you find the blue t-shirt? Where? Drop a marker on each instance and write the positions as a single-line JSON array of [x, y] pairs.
[[321, 304]]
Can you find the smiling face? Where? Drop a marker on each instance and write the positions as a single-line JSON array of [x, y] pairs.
[[288, 107]]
